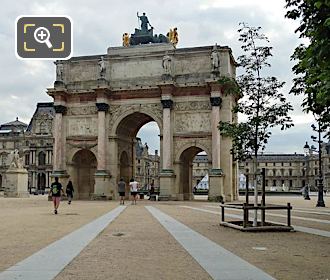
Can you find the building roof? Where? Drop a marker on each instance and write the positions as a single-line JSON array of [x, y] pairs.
[[278, 157], [14, 125], [42, 107]]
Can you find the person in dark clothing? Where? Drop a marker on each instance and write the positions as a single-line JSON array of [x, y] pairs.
[[69, 191], [121, 190], [152, 191], [55, 191]]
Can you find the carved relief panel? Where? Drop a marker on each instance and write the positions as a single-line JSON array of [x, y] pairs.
[[192, 122], [82, 126]]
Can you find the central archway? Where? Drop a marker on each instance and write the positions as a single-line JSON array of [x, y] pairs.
[[127, 146], [84, 166]]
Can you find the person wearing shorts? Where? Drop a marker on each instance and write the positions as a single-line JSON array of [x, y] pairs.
[[55, 191], [134, 189], [121, 190]]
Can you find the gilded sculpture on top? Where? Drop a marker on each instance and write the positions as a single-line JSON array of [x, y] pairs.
[[145, 35], [173, 36], [126, 40]]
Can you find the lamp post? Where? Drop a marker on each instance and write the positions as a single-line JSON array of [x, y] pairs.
[[306, 188], [320, 201]]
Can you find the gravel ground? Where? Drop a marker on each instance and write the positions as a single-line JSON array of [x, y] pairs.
[[136, 246]]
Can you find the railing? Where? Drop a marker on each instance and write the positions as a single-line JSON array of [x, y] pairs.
[[247, 207]]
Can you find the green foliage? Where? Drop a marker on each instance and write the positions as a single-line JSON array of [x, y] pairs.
[[263, 105], [313, 61], [229, 86]]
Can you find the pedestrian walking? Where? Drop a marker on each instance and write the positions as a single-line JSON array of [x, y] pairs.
[[134, 189], [152, 191], [56, 190], [69, 191], [121, 190]]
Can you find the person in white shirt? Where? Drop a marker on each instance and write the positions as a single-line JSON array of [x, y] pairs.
[[134, 185]]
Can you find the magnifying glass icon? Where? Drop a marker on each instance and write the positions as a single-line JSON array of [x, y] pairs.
[[41, 35]]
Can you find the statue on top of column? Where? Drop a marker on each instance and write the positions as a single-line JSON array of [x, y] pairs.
[[102, 68], [215, 61], [59, 71], [166, 63]]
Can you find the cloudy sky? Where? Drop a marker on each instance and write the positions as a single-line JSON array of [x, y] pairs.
[[100, 24]]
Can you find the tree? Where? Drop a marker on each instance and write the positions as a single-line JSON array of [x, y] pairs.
[[263, 105], [313, 61]]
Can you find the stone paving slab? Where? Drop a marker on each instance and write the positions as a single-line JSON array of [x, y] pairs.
[[217, 261]]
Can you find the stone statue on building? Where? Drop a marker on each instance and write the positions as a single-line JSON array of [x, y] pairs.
[[102, 68], [215, 60], [166, 63], [59, 71]]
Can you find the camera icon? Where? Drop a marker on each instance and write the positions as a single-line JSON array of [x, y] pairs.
[[43, 37]]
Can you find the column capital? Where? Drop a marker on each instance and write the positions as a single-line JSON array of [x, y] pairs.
[[215, 101], [102, 106], [61, 109], [167, 103]]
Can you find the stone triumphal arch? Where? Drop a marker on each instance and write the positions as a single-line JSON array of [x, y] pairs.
[[102, 101]]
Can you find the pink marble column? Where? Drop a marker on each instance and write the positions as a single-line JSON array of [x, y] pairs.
[[58, 136], [167, 139], [101, 139], [215, 118]]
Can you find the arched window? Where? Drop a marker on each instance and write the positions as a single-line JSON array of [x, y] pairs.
[[41, 158]]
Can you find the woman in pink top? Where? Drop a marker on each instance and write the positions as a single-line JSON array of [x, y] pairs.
[[134, 189]]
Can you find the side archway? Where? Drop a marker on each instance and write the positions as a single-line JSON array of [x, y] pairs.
[[84, 165], [184, 169]]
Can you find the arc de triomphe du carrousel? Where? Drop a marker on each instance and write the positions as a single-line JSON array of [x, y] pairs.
[[101, 102]]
